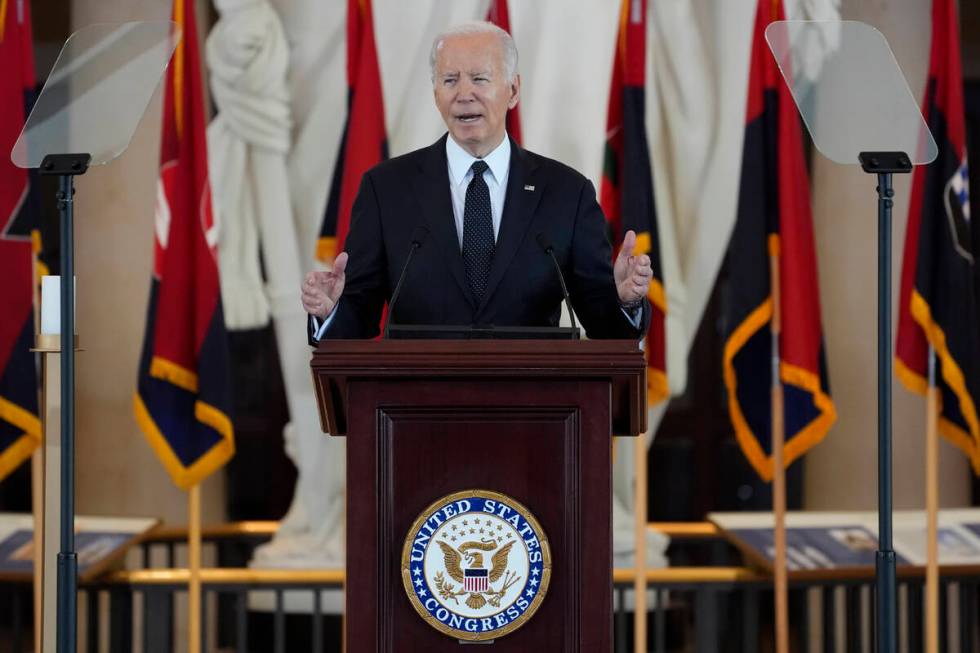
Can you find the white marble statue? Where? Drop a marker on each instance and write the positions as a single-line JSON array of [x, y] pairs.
[[249, 140]]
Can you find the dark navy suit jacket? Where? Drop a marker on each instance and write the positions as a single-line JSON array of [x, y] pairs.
[[543, 196]]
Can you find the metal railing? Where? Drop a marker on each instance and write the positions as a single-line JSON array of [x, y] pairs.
[[701, 609]]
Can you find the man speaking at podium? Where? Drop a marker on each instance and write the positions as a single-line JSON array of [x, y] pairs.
[[481, 218]]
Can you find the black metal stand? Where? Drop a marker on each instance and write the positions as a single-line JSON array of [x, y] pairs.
[[884, 164], [67, 166]]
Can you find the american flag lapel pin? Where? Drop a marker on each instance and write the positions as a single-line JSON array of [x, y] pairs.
[[528, 187]]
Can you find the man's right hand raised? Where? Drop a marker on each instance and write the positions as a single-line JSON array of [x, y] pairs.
[[322, 290]]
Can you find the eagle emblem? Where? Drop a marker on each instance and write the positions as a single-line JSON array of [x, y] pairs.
[[476, 580], [476, 565]]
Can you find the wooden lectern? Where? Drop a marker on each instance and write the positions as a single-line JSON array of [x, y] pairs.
[[531, 419]]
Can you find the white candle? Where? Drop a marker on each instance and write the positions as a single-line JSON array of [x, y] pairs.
[[51, 305]]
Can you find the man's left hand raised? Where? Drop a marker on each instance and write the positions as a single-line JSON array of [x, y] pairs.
[[632, 273]]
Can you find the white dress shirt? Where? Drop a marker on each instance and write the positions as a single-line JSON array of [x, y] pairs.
[[459, 163], [460, 176]]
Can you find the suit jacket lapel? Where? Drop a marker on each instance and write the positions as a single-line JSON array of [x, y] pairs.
[[432, 191], [523, 194]]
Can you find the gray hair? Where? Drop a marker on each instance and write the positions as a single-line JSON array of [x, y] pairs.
[[478, 27]]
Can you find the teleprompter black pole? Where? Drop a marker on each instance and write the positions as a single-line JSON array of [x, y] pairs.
[[885, 558], [66, 166], [884, 164], [67, 558]]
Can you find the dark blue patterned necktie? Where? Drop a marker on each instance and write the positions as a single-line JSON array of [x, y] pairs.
[[477, 231]]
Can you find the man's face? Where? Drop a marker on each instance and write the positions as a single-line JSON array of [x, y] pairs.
[[472, 91]]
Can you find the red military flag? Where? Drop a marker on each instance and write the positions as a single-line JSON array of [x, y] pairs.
[[184, 396], [20, 426], [938, 297], [774, 219], [498, 14], [364, 143], [626, 190]]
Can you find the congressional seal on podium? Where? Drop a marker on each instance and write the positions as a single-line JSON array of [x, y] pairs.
[[476, 565]]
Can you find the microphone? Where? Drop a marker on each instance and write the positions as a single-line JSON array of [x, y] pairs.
[[418, 237], [550, 251]]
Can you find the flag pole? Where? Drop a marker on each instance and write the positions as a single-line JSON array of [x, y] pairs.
[[343, 587], [781, 589], [194, 565], [37, 463], [640, 544], [37, 507], [777, 439], [932, 509]]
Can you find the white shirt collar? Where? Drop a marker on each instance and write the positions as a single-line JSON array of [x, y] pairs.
[[460, 160]]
